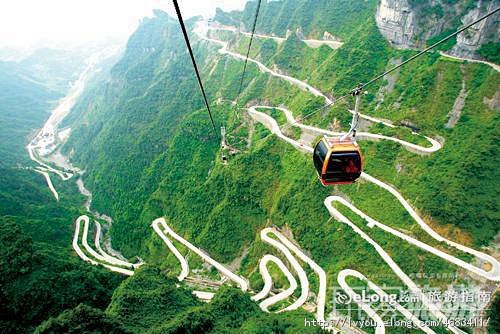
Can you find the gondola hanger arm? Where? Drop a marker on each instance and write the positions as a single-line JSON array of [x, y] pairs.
[[356, 92]]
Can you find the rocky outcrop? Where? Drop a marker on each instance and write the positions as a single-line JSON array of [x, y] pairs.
[[406, 26], [458, 106], [395, 21], [329, 37], [469, 41], [299, 33], [409, 24], [493, 103]]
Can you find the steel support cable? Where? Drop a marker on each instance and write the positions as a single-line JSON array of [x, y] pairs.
[[362, 86], [428, 48], [249, 47], [186, 39]]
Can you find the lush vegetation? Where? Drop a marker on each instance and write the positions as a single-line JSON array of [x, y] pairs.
[[490, 51], [340, 17], [452, 172], [81, 319], [39, 274], [24, 104], [423, 96], [54, 68], [146, 144], [138, 172], [446, 45], [38, 280], [494, 326], [151, 302]]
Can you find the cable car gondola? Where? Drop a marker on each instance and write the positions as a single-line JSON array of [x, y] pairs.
[[338, 160]]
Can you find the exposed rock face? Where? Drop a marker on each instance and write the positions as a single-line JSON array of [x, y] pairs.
[[395, 21], [470, 40], [329, 37], [299, 33], [458, 106], [391, 81], [406, 25], [493, 103]]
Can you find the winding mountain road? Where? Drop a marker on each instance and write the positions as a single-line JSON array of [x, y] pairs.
[[84, 257], [161, 228], [109, 258], [99, 256], [46, 140], [291, 251], [313, 43], [44, 146], [200, 30], [268, 283], [304, 281], [493, 274], [380, 328], [224, 50], [272, 125], [49, 182], [184, 264], [492, 65]]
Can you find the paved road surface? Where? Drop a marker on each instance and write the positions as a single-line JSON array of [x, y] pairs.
[[160, 226], [313, 43], [85, 258]]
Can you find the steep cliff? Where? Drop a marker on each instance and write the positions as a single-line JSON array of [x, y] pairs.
[[417, 23], [469, 42], [395, 21]]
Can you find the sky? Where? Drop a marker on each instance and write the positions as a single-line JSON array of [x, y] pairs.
[[29, 23]]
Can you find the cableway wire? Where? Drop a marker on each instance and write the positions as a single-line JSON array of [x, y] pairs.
[[248, 50], [360, 87], [186, 38], [427, 49]]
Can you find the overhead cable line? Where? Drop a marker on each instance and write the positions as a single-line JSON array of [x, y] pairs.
[[249, 47], [186, 38], [360, 87], [427, 49]]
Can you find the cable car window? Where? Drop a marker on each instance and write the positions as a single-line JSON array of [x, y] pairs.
[[320, 153], [343, 167]]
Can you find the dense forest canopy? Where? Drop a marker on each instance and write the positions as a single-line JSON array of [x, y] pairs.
[[140, 133]]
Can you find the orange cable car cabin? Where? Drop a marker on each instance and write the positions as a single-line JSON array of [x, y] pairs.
[[338, 161]]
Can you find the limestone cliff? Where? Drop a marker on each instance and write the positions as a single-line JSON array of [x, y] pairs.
[[488, 30], [395, 21], [411, 23]]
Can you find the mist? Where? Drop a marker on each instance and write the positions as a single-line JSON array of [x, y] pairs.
[[57, 23]]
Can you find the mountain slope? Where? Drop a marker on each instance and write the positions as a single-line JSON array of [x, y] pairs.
[[39, 275], [24, 105], [340, 18], [146, 144]]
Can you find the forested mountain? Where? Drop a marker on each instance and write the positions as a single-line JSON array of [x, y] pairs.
[[29, 88], [25, 105], [341, 18], [126, 149], [141, 134], [39, 276]]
